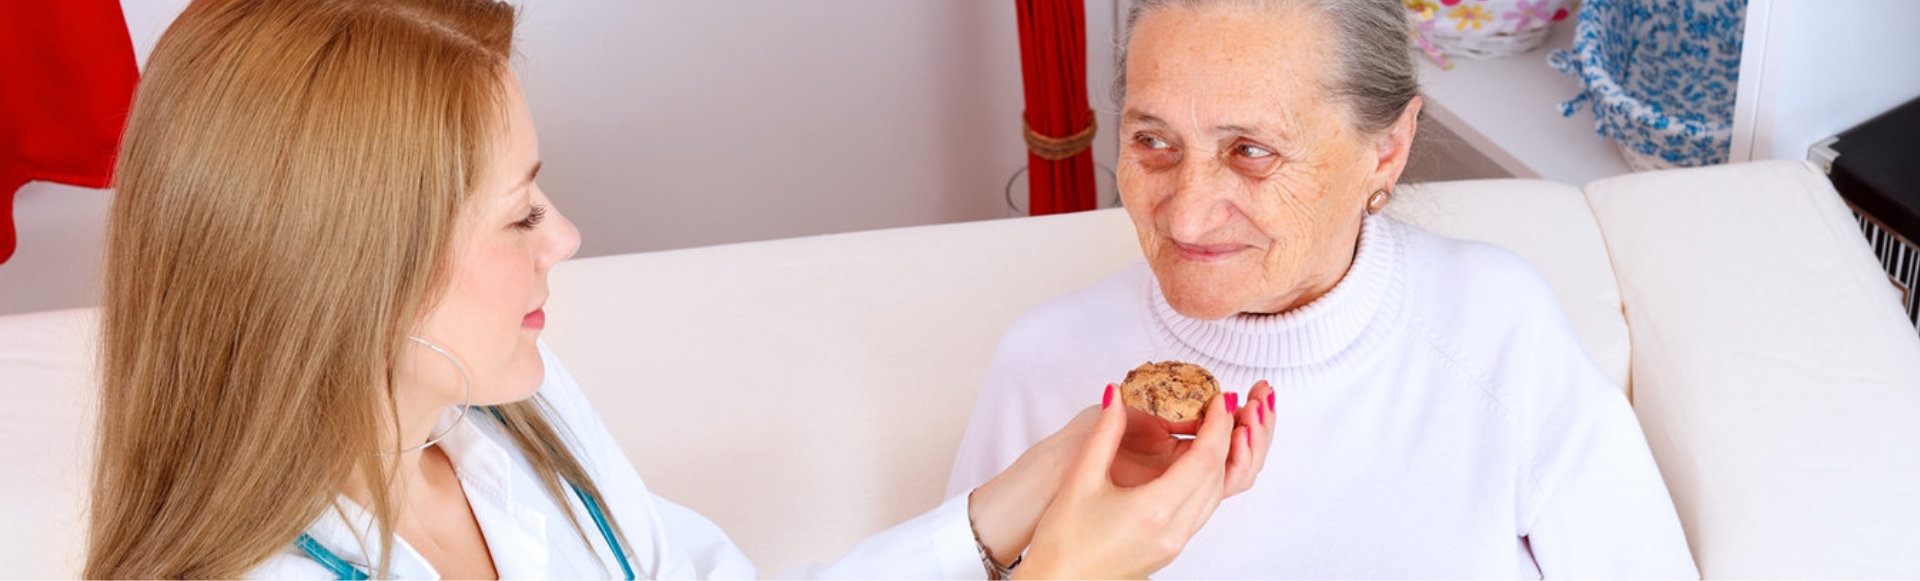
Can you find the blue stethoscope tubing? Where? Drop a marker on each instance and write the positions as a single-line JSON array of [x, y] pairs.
[[345, 570]]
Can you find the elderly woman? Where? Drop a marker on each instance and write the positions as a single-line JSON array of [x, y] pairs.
[[320, 351], [1437, 416]]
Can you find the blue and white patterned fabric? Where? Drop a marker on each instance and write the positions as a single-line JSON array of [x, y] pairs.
[[1660, 75]]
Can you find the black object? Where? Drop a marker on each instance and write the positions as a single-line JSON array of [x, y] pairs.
[[1876, 168]]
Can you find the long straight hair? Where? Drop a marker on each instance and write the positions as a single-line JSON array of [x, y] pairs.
[[289, 181]]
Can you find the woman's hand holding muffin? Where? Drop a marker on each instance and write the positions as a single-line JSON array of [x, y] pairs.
[[1097, 529], [1124, 465], [1149, 446]]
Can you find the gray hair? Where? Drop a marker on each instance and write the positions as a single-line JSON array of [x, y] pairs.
[[1376, 78]]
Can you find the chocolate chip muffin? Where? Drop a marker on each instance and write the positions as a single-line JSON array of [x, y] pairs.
[[1172, 390]]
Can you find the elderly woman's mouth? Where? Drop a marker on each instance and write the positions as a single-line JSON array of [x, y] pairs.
[[1208, 252]]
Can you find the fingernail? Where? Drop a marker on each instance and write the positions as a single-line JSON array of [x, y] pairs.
[[1263, 413], [1233, 402], [1249, 438], [1106, 398], [1269, 400]]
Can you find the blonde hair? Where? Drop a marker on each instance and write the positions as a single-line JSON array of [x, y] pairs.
[[289, 180]]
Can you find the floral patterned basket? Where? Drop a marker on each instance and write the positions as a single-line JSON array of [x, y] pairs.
[[1485, 28], [1660, 76]]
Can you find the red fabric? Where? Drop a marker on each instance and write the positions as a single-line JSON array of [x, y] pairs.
[[66, 81], [1053, 68]]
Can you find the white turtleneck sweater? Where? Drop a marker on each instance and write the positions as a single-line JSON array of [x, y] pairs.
[[1437, 418]]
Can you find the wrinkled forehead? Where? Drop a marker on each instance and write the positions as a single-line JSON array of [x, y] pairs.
[[1245, 60]]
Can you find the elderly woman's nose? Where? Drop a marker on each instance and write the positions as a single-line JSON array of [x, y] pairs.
[[1201, 202]]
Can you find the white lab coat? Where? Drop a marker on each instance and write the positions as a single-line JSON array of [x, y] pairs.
[[531, 539]]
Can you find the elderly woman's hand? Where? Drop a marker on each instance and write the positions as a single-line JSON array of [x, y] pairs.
[[1097, 529]]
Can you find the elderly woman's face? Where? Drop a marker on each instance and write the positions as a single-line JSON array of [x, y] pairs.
[[1245, 178]]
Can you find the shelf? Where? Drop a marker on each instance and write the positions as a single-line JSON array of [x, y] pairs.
[[1506, 109]]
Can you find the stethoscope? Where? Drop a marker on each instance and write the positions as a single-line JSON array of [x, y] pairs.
[[344, 570]]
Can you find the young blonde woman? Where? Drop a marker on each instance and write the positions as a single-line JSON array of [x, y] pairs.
[[320, 352]]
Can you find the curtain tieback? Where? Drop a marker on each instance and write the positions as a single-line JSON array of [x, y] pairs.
[[1058, 148]]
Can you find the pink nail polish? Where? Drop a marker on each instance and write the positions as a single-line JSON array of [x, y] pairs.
[[1233, 402], [1263, 413], [1106, 398], [1269, 400]]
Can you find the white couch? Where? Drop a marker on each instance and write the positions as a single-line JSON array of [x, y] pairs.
[[804, 393]]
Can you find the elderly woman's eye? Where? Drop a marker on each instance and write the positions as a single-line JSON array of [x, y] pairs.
[[1151, 142], [1252, 151]]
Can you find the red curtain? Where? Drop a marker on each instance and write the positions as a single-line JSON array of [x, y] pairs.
[[66, 80], [1059, 126]]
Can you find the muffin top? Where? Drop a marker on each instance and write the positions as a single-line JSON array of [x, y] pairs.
[[1175, 391]]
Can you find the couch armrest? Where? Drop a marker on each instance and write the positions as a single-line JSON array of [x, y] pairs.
[[1774, 373]]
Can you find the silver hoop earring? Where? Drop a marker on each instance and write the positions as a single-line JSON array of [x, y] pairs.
[[464, 378], [1378, 201]]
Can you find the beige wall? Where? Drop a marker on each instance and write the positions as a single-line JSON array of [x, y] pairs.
[[667, 124]]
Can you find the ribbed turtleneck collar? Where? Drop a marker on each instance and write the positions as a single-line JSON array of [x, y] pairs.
[[1309, 339]]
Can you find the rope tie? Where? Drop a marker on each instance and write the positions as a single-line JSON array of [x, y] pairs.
[[1058, 148]]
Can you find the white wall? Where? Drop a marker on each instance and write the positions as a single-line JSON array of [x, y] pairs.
[[686, 123], [1813, 68]]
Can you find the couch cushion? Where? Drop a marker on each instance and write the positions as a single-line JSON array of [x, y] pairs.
[[1774, 373], [1550, 225], [806, 393], [46, 439]]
